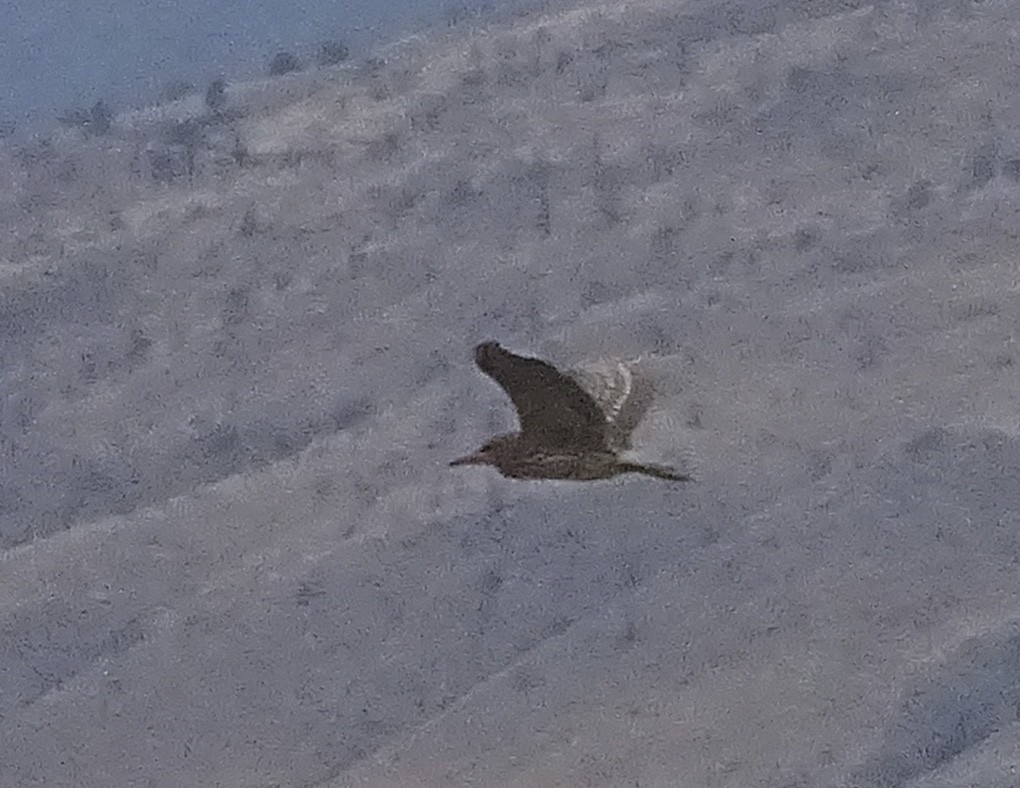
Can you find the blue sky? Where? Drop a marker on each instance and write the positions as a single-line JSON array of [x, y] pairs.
[[60, 54]]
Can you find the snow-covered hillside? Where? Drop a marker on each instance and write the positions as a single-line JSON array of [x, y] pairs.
[[237, 356]]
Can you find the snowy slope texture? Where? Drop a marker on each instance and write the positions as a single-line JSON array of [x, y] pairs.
[[237, 357]]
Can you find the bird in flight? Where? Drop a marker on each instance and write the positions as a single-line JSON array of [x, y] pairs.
[[573, 425]]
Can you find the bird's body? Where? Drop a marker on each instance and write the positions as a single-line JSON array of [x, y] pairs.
[[573, 426]]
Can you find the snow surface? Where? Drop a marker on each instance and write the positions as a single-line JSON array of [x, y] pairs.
[[233, 553]]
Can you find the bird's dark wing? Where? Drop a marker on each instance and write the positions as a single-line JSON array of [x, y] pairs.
[[553, 409]]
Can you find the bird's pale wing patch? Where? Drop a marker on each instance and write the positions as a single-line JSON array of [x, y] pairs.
[[609, 383], [622, 394]]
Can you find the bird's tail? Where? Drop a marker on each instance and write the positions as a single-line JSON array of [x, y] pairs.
[[650, 469]]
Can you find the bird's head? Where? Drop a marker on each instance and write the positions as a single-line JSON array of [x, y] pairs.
[[491, 453]]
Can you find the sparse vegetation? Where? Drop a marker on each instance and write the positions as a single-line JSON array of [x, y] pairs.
[[249, 224], [592, 81], [332, 53], [75, 118], [239, 152], [101, 117], [96, 121], [335, 287], [216, 95], [283, 63], [175, 155], [178, 89], [384, 147], [983, 165], [166, 164], [426, 116], [379, 91]]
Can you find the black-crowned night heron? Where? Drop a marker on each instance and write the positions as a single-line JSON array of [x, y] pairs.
[[573, 425]]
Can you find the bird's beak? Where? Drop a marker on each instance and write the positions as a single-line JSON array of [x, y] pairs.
[[472, 459]]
